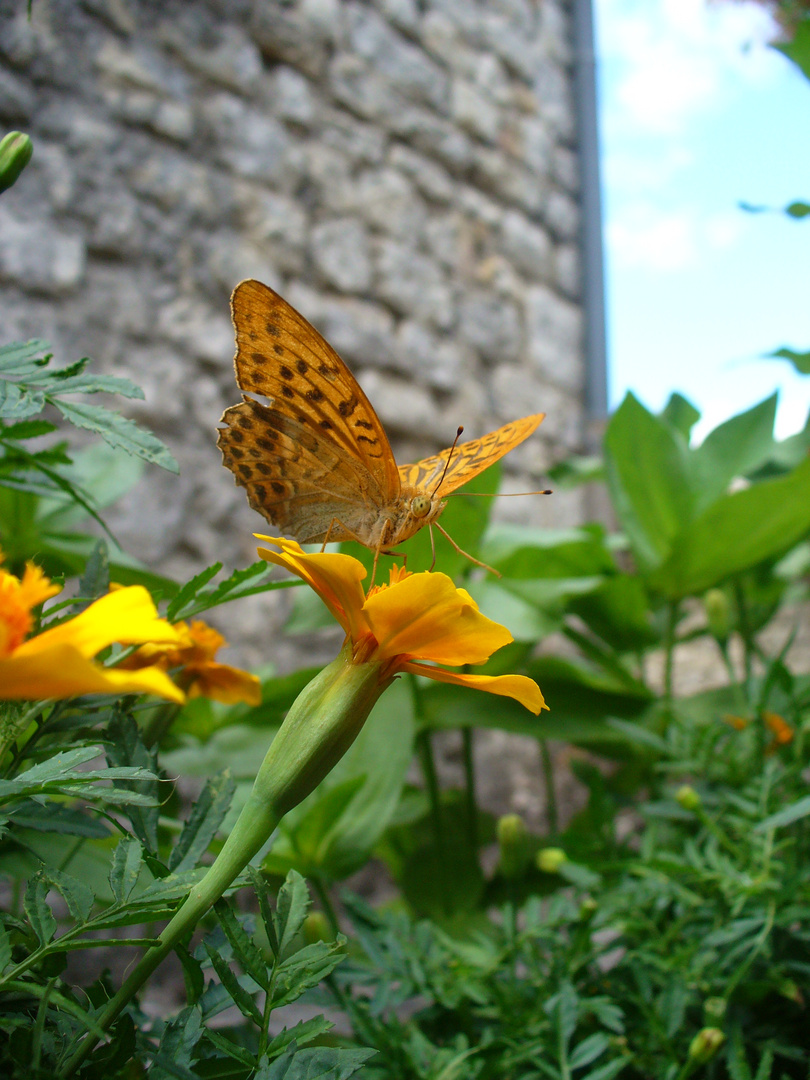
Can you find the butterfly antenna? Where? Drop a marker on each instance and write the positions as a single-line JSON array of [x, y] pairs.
[[447, 463], [499, 494], [466, 554]]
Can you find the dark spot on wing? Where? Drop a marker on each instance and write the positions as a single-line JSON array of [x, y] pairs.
[[272, 329], [346, 408], [288, 392], [315, 394], [278, 350], [303, 367], [363, 424], [278, 487], [285, 372]]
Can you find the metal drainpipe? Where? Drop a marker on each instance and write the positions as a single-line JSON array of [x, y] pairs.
[[593, 274]]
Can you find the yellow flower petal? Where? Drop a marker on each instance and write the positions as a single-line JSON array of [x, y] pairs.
[[62, 671], [127, 615], [335, 578], [224, 683], [519, 687], [427, 617]]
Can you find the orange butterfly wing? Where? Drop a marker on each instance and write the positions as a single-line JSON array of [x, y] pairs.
[[469, 459], [317, 452]]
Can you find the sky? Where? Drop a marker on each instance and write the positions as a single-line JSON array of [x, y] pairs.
[[698, 115]]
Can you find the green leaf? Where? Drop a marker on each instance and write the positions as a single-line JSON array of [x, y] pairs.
[[5, 949], [78, 896], [306, 968], [23, 357], [303, 1032], [646, 462], [800, 360], [797, 209], [315, 1063], [118, 431], [798, 48], [680, 414], [205, 818], [189, 591], [59, 382], [528, 554], [240, 997], [292, 906], [36, 907], [27, 429], [608, 1071], [588, 1050], [244, 949], [16, 402], [575, 470], [735, 448], [618, 610], [232, 1049], [735, 533], [787, 816], [126, 867]]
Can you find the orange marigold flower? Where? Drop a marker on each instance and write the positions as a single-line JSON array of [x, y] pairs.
[[58, 662], [200, 675], [412, 622]]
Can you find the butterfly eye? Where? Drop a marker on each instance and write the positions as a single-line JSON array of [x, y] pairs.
[[420, 506]]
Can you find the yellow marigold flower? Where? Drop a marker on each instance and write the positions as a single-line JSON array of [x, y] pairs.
[[58, 662], [779, 727], [201, 676], [415, 617]]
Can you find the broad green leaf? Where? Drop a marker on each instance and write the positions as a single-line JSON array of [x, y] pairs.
[[118, 431], [735, 448], [522, 553], [576, 470], [126, 866], [618, 610], [205, 818], [646, 462], [36, 907], [244, 949], [798, 48], [680, 414], [735, 533]]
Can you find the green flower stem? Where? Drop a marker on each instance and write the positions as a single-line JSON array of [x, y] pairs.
[[324, 721], [552, 816], [471, 805]]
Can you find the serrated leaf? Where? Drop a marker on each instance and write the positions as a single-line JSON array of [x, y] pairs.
[[232, 1049], [118, 431], [588, 1050], [268, 919], [292, 906], [189, 591], [22, 357], [61, 382], [17, 402], [5, 949], [205, 818], [306, 968], [192, 974], [241, 998], [36, 907], [78, 896], [126, 866], [315, 1063], [244, 949]]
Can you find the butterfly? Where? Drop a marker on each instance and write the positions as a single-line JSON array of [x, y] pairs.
[[313, 456]]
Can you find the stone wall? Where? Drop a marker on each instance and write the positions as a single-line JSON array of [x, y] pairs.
[[404, 172]]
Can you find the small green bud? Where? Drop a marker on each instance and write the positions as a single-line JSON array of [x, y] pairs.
[[790, 990], [588, 908], [550, 859], [15, 153], [317, 928], [714, 1008], [715, 604], [512, 836], [687, 797], [705, 1045]]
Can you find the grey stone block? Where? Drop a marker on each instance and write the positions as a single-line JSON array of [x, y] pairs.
[[491, 324], [36, 256], [340, 249]]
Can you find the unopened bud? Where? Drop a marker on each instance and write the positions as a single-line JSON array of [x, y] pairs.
[[714, 1008], [15, 153], [687, 797], [715, 604], [316, 928], [550, 859], [705, 1045], [512, 836], [588, 908]]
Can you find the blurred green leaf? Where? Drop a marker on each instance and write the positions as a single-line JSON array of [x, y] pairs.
[[680, 414], [800, 360], [798, 48], [734, 449]]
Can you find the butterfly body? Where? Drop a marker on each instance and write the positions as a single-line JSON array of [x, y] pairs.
[[309, 448]]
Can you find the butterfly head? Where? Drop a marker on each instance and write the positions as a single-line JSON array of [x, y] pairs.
[[421, 505]]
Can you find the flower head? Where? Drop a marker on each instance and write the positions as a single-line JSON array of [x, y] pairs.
[[408, 624], [201, 675], [58, 662]]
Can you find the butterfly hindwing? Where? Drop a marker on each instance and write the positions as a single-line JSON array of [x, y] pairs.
[[282, 357], [469, 459]]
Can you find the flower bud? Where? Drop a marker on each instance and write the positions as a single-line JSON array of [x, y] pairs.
[[715, 604], [687, 797], [588, 908], [15, 153], [550, 859], [705, 1045], [714, 1008], [512, 836], [317, 928]]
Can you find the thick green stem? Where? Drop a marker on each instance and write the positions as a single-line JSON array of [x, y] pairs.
[[320, 727]]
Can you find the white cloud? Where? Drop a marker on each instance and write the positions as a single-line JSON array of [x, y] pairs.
[[665, 62], [643, 236]]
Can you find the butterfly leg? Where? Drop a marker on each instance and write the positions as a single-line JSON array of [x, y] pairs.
[[466, 554], [432, 545]]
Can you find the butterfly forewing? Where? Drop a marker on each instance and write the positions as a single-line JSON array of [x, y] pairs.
[[469, 459], [281, 356]]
